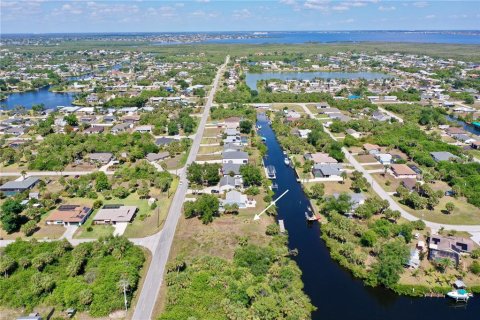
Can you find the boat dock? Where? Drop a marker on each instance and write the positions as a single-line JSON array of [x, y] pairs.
[[271, 172], [282, 226]]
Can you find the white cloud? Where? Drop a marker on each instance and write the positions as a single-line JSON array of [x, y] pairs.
[[242, 14], [383, 8], [430, 16], [340, 8], [420, 4]]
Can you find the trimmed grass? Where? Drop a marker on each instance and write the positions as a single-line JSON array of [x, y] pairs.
[[209, 157], [394, 183], [209, 149], [210, 140]]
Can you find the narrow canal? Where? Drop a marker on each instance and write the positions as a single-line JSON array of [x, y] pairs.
[[333, 290]]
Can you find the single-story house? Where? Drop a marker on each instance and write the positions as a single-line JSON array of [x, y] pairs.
[[443, 156], [356, 200], [143, 129], [230, 147], [236, 197], [11, 188], [231, 168], [162, 141], [112, 214], [320, 158], [228, 183], [448, 247], [100, 157], [232, 132], [303, 133], [409, 184], [384, 158], [69, 215], [379, 116], [157, 156], [94, 130], [238, 157], [232, 122], [402, 171], [354, 133], [369, 148], [121, 127], [475, 145], [454, 130], [414, 259], [463, 138], [327, 171]]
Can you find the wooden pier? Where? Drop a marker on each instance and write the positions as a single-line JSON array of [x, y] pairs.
[[282, 226]]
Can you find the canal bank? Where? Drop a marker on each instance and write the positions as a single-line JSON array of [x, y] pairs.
[[332, 289]]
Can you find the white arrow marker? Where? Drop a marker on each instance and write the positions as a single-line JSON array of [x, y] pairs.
[[257, 216]]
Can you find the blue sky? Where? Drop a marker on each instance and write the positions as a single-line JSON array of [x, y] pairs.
[[46, 16]]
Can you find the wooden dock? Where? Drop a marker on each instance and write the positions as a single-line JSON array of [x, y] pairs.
[[282, 226]]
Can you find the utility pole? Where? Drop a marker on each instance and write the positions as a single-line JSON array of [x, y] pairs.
[[124, 283]]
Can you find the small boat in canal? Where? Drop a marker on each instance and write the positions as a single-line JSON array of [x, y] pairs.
[[287, 161], [271, 172], [460, 295], [259, 127]]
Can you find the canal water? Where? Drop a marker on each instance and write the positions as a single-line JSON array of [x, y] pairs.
[[42, 95], [467, 127], [332, 289], [252, 78]]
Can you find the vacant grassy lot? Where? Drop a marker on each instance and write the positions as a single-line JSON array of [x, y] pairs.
[[210, 149]]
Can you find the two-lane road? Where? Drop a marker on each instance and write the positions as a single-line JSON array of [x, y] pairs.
[[154, 278]]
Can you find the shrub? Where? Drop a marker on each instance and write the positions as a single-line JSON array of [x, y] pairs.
[[272, 229], [97, 204], [475, 267], [29, 228]]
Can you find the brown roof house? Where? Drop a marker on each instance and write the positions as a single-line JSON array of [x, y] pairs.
[[320, 158], [448, 247], [68, 215], [402, 171], [115, 213]]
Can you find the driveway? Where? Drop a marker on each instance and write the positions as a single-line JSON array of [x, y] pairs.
[[120, 228]]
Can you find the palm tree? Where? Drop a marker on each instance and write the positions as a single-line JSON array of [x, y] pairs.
[[344, 176]]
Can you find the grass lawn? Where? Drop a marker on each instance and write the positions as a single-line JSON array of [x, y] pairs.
[[97, 230], [294, 107], [464, 212], [382, 180], [210, 132], [210, 140], [365, 158], [176, 162], [209, 149], [208, 157], [312, 108]]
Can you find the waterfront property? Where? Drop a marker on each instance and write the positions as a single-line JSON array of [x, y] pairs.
[[11, 188]]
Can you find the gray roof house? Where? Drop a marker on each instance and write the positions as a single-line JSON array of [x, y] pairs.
[[235, 197], [101, 157], [157, 156], [162, 141], [238, 157], [227, 168], [13, 187], [443, 156], [228, 183], [326, 170], [111, 214]]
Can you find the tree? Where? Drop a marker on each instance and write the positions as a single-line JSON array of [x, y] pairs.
[[101, 182], [195, 173], [317, 191], [7, 265], [369, 238], [450, 206], [206, 207], [251, 175], [245, 126], [71, 120], [29, 228], [10, 215], [443, 264], [391, 259], [475, 267], [392, 214], [272, 229], [344, 176], [172, 128], [211, 173]]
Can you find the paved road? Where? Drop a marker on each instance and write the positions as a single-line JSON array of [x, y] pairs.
[[154, 278], [384, 195]]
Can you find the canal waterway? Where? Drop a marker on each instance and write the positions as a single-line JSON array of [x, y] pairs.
[[467, 127], [252, 78], [332, 289]]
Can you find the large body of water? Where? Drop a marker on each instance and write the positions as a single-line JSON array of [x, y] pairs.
[[333, 290], [451, 37], [252, 78], [42, 95]]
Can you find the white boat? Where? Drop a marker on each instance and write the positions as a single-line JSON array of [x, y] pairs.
[[284, 152], [287, 161], [271, 172], [459, 295], [259, 127]]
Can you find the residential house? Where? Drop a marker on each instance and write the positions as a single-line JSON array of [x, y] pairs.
[[232, 122], [152, 157], [121, 127], [229, 169], [94, 130], [303, 133], [409, 184], [402, 171], [11, 188], [235, 197], [162, 141], [228, 183], [354, 133], [448, 247], [443, 156], [332, 171], [371, 148], [320, 158], [113, 214], [475, 145], [143, 129], [356, 200], [69, 215], [463, 138], [229, 147], [237, 157], [380, 116], [384, 158], [100, 157]]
